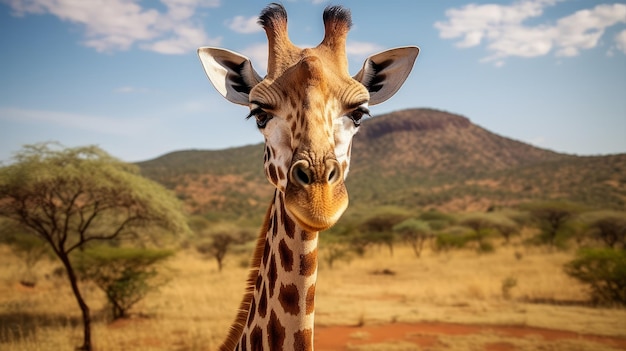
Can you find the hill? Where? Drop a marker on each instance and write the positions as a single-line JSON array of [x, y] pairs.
[[420, 158]]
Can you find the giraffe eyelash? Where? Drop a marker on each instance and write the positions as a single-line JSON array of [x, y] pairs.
[[261, 117], [254, 112], [357, 114]]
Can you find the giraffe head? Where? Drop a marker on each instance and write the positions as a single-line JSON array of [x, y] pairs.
[[308, 108]]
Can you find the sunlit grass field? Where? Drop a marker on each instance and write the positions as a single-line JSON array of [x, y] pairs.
[[194, 310]]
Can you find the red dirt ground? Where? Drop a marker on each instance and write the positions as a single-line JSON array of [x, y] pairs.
[[337, 338]]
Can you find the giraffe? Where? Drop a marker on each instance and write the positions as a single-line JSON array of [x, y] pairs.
[[308, 108]]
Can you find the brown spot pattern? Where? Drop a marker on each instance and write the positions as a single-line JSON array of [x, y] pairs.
[[263, 303], [243, 346], [274, 224], [271, 170], [303, 340], [310, 299], [256, 339], [308, 235], [266, 252], [286, 255], [289, 298], [275, 333], [272, 275], [308, 263], [288, 223], [257, 285]]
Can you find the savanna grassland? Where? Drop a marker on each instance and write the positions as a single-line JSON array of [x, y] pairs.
[[451, 300], [418, 172]]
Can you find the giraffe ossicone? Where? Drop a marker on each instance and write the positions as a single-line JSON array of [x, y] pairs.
[[308, 108]]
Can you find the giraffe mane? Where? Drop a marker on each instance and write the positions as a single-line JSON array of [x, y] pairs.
[[238, 325]]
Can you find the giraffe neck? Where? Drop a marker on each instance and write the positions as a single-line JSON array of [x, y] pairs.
[[278, 309]]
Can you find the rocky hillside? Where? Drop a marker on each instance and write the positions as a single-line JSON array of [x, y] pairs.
[[418, 158]]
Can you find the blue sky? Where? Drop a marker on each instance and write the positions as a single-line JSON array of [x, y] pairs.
[[124, 74]]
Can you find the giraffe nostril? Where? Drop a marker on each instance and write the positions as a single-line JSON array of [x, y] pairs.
[[333, 171], [301, 174], [331, 175]]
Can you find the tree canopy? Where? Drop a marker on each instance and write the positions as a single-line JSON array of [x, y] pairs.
[[70, 197], [76, 195]]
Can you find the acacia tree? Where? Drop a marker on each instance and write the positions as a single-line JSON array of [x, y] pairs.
[[218, 241], [486, 224], [482, 225], [415, 232], [608, 227], [378, 227], [70, 197], [551, 217]]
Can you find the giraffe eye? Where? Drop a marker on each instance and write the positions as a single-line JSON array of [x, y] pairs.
[[261, 117], [358, 114]]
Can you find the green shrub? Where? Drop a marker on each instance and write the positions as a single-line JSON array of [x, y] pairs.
[[554, 221], [126, 275], [607, 227], [377, 227], [437, 220], [453, 238], [604, 270]]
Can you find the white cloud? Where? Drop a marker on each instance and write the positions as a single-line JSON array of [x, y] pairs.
[[98, 124], [620, 41], [583, 29], [183, 39], [361, 48], [245, 25], [502, 28], [112, 25]]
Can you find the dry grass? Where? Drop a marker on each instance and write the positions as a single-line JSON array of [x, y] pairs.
[[194, 310], [461, 286], [485, 342]]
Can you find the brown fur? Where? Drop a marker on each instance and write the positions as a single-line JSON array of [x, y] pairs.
[[244, 307]]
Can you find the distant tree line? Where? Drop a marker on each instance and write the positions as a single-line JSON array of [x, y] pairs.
[[107, 225]]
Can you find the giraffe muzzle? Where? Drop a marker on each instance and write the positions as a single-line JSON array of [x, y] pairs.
[[316, 195], [304, 174]]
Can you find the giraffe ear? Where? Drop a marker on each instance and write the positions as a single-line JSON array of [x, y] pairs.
[[231, 73], [383, 73]]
